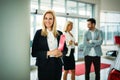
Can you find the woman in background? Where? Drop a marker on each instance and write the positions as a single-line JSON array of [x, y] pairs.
[[45, 49], [69, 61]]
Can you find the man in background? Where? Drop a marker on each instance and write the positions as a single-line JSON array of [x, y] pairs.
[[93, 39]]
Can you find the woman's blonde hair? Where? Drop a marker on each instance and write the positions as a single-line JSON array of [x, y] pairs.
[[66, 25], [54, 26]]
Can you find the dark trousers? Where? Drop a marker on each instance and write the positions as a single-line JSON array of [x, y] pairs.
[[96, 63], [51, 70]]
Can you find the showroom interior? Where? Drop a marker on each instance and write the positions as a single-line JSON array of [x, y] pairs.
[[19, 20]]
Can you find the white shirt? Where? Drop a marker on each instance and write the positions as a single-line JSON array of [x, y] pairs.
[[92, 52], [52, 41], [69, 38]]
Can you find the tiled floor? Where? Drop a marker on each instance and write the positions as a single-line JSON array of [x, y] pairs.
[[104, 72]]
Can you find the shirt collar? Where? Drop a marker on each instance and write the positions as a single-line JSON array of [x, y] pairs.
[[93, 31], [49, 31]]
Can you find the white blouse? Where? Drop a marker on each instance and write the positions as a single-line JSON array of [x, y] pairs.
[[52, 41], [69, 38]]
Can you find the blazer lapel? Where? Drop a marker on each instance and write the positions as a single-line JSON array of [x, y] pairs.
[[58, 39], [89, 36], [46, 43]]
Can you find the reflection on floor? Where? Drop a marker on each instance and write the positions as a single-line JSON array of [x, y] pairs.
[[104, 72]]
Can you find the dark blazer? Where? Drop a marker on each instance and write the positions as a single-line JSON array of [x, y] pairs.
[[46, 66]]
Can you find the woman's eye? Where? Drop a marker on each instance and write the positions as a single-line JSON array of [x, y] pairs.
[[45, 18], [50, 18]]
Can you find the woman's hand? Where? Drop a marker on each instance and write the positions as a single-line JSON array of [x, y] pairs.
[[70, 42], [56, 53], [76, 44]]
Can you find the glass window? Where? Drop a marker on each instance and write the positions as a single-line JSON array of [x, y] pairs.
[[45, 4], [110, 29], [89, 10], [82, 8], [35, 24], [111, 23], [61, 23], [85, 9], [71, 7], [112, 17], [59, 5], [118, 28], [103, 30], [38, 22], [82, 29], [103, 17], [34, 5], [32, 27]]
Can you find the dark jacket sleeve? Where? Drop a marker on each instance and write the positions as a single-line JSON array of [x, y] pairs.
[[37, 50], [65, 50]]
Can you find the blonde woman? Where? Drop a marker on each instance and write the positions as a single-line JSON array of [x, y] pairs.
[[69, 61], [45, 49]]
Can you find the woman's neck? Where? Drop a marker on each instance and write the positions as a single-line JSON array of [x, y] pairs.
[[50, 29], [70, 33]]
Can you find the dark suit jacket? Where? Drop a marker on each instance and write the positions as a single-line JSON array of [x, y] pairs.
[[48, 68], [40, 48]]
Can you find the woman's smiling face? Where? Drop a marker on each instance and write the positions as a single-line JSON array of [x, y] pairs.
[[48, 21]]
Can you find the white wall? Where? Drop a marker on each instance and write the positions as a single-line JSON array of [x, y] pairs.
[[110, 5], [14, 39]]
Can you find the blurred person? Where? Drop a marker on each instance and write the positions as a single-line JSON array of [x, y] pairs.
[[93, 39], [69, 61]]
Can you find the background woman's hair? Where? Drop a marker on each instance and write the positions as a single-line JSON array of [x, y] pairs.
[[66, 25]]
